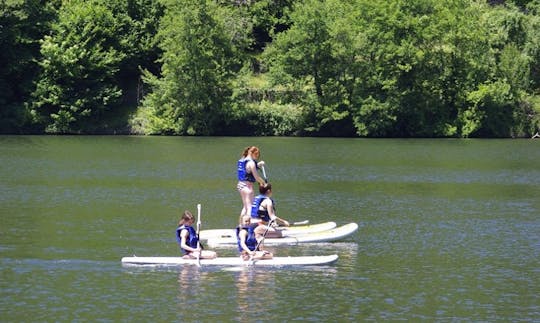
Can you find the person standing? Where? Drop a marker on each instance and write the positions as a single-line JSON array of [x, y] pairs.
[[187, 238], [247, 173]]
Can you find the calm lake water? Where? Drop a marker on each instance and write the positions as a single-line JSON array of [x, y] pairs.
[[449, 229]]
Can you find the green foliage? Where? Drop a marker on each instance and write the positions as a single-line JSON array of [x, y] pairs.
[[138, 23], [268, 17], [444, 51], [406, 68], [80, 60], [374, 119], [302, 57], [22, 24], [266, 118], [526, 117], [504, 100], [275, 120], [491, 105], [395, 68], [199, 62], [531, 115], [532, 45], [265, 17], [90, 65]]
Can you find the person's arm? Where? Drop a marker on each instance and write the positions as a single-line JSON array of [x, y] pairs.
[[270, 207], [282, 221], [243, 236], [253, 170], [183, 238]]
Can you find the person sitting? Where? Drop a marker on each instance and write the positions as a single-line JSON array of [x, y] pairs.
[[263, 211], [248, 245], [187, 238]]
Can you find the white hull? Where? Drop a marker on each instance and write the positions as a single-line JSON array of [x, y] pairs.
[[335, 234], [287, 231], [231, 261]]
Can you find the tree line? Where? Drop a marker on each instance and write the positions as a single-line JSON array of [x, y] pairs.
[[349, 68]]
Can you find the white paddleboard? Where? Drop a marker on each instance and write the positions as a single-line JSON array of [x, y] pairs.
[[231, 261], [287, 231], [334, 234]]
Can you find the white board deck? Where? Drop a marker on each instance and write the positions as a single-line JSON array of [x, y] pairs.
[[231, 261], [287, 231], [334, 234]]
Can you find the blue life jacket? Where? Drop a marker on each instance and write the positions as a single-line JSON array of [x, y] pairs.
[[251, 241], [191, 240], [256, 212], [243, 175]]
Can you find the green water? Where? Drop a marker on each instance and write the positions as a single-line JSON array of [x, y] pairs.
[[449, 229]]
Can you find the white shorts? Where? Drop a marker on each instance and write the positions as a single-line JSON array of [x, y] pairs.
[[244, 184]]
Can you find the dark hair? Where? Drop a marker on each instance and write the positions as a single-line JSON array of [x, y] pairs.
[[265, 188]]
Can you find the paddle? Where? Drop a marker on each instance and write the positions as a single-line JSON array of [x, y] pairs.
[[264, 174], [198, 231], [259, 243]]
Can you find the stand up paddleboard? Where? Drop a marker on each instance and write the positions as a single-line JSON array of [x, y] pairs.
[[335, 234], [230, 261], [287, 231]]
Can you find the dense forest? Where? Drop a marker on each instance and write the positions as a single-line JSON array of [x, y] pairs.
[[348, 68]]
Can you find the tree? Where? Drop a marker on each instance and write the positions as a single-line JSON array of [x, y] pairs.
[[422, 68], [302, 58], [22, 24], [198, 64], [138, 23], [80, 61], [501, 103], [422, 58]]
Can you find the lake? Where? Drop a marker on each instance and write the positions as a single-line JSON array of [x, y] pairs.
[[449, 229]]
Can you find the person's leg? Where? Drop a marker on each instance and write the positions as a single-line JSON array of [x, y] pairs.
[[262, 254], [246, 194], [271, 233], [208, 254]]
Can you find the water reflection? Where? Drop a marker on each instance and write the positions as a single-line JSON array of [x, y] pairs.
[[255, 289], [188, 277], [261, 290], [244, 284], [192, 281]]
